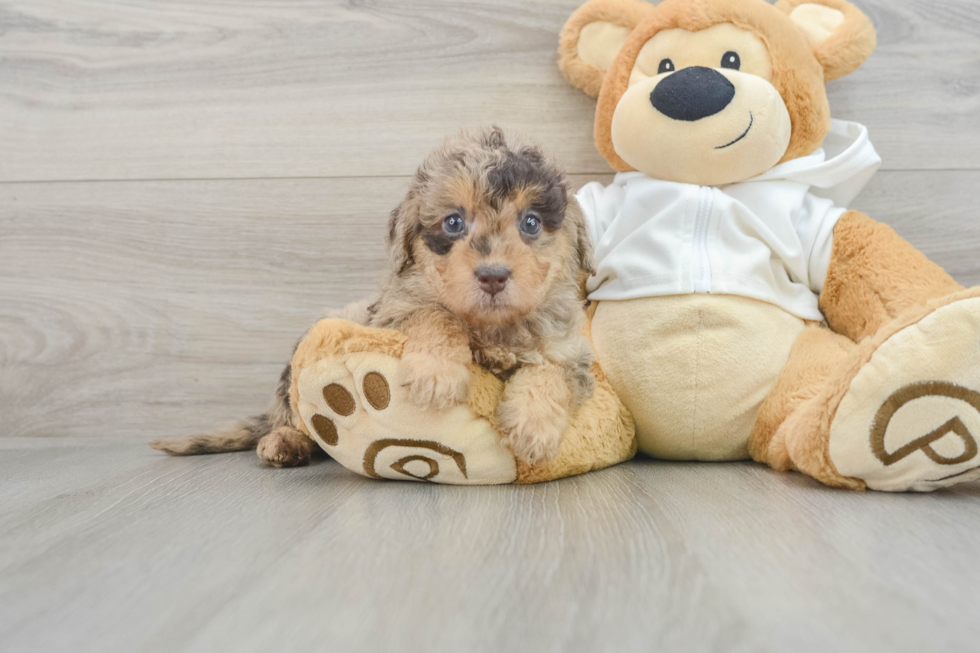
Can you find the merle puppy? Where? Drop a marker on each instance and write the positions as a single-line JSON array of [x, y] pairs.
[[488, 258]]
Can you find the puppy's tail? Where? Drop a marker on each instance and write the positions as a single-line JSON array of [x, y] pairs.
[[242, 435], [245, 434]]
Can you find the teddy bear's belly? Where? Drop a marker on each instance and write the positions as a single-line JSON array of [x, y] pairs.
[[693, 369]]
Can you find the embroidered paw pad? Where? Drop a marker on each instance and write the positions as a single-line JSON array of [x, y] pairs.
[[354, 410]]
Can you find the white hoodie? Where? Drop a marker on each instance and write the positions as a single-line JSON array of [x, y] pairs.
[[768, 238]]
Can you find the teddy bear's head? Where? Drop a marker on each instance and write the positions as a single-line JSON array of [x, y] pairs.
[[711, 92]]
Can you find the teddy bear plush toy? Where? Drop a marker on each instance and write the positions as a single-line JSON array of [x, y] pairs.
[[741, 310]]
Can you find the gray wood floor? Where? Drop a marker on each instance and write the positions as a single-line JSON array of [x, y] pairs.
[[185, 185], [106, 546]]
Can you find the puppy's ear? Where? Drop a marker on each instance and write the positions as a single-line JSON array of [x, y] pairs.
[[582, 240], [592, 38], [403, 228], [841, 36]]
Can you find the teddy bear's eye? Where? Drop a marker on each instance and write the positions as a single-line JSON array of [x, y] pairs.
[[666, 66], [731, 60]]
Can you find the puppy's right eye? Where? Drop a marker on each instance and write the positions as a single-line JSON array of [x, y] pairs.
[[666, 66], [531, 224], [453, 224]]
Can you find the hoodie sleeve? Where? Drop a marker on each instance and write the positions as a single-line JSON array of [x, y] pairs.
[[851, 161], [600, 204], [816, 231]]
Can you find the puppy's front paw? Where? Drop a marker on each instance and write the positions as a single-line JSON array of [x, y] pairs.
[[533, 431], [433, 381]]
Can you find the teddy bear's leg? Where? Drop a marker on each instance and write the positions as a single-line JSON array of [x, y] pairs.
[[900, 411], [347, 397], [816, 354], [903, 411], [875, 275]]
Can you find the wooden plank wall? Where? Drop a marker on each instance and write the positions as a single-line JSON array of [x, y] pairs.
[[184, 185]]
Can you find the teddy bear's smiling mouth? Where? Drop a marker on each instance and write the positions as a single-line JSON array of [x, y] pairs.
[[744, 134]]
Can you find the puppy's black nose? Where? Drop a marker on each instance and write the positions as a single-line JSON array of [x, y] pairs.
[[692, 94], [492, 278]]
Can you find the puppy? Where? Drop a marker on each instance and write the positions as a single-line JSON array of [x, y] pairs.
[[489, 254]]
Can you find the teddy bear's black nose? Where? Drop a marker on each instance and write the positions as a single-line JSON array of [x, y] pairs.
[[692, 94]]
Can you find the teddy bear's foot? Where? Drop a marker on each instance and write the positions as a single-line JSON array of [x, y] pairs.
[[910, 417], [358, 412]]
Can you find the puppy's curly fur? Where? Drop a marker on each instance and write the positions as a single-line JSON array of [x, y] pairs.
[[489, 255]]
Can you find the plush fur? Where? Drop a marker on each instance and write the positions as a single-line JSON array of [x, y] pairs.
[[849, 46], [874, 276], [816, 354], [801, 442], [625, 13]]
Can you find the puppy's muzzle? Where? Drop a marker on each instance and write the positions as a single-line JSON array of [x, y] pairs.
[[492, 278], [692, 94]]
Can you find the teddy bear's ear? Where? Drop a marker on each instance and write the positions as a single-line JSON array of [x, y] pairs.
[[592, 38], [842, 37]]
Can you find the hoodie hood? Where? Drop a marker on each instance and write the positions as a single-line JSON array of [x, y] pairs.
[[838, 171]]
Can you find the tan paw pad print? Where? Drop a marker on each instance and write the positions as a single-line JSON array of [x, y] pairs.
[[911, 418], [355, 411]]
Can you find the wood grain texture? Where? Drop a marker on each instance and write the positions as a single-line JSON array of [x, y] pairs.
[[160, 308], [171, 295], [109, 546], [226, 169], [140, 89]]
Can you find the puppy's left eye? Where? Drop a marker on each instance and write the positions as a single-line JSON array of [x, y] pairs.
[[453, 224], [731, 60], [531, 223]]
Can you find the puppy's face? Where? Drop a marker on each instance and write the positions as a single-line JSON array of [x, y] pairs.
[[489, 229]]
